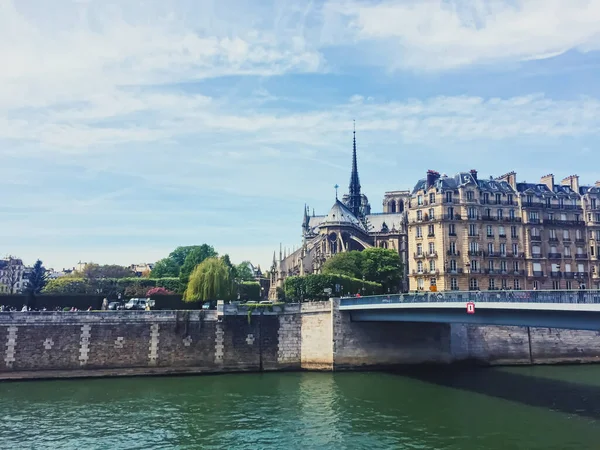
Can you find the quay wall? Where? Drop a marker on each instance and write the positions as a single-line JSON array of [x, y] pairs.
[[314, 336]]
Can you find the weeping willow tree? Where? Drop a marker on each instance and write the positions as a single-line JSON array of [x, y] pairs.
[[210, 280]]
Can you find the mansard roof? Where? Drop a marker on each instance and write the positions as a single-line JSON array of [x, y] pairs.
[[589, 190], [541, 190], [393, 221], [461, 179]]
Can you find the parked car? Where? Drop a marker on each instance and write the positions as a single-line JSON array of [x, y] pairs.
[[136, 304], [114, 306]]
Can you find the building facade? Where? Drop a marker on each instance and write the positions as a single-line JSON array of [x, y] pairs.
[[467, 233], [14, 275], [349, 225]]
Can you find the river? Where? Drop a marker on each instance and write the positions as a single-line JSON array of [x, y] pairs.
[[436, 408]]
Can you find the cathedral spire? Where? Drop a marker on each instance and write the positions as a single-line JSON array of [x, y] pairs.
[[354, 197], [305, 219]]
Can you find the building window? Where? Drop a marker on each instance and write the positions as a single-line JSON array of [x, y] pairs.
[[452, 264], [432, 265], [474, 266], [569, 284], [498, 199], [454, 284], [503, 249], [431, 214], [472, 213], [486, 198], [515, 266], [419, 249], [419, 232], [492, 284], [451, 213], [513, 231], [491, 265], [452, 248], [448, 197], [566, 235], [432, 282], [592, 250], [472, 229], [420, 266], [473, 247], [420, 284], [490, 231], [516, 284], [501, 231], [419, 200], [556, 284], [470, 195], [473, 284], [419, 215], [432, 198], [451, 230], [567, 251], [503, 266], [499, 214], [430, 231], [504, 283], [515, 249], [431, 248], [511, 214], [491, 248], [509, 199]]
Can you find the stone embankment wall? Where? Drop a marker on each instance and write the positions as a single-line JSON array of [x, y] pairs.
[[315, 337]]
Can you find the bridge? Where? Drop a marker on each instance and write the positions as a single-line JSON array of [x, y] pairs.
[[548, 309]]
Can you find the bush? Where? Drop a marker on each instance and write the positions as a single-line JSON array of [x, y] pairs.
[[249, 290], [158, 291], [312, 287]]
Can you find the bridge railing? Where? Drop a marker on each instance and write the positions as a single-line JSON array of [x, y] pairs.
[[572, 296]]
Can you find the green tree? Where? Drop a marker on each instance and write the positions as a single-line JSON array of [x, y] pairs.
[[165, 268], [37, 279], [244, 273], [210, 280], [349, 264], [196, 256], [93, 271], [180, 254], [383, 266], [66, 285]]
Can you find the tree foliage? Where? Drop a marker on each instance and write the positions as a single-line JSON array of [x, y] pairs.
[[210, 280], [37, 278], [166, 267], [244, 272], [195, 257], [249, 290], [94, 271], [66, 285], [346, 263], [378, 265], [111, 287]]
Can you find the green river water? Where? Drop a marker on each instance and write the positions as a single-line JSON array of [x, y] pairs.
[[437, 408]]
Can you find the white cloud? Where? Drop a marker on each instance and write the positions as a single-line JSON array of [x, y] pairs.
[[439, 34]]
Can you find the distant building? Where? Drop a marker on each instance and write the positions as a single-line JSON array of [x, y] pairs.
[[141, 269], [14, 275]]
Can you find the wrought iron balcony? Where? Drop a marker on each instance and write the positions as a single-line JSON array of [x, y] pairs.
[[554, 255]]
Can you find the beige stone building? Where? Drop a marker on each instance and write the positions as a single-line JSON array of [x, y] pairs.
[[468, 233]]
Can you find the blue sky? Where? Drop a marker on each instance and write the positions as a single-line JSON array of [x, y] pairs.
[[132, 127]]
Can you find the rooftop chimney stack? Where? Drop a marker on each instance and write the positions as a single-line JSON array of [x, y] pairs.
[[474, 174], [510, 178], [572, 181], [548, 180], [597, 183], [432, 177]]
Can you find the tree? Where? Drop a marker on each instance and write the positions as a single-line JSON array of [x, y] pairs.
[[66, 285], [346, 263], [210, 280], [165, 268], [37, 278], [93, 271], [196, 256], [244, 272], [382, 265], [180, 254]]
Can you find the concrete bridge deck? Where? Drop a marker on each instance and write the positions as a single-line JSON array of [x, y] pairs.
[[555, 309]]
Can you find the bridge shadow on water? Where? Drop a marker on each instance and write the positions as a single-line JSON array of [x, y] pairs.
[[557, 395]]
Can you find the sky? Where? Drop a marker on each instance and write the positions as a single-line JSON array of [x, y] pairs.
[[131, 127]]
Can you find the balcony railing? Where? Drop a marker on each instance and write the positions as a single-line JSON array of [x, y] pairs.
[[564, 222], [552, 239], [490, 236], [554, 255], [536, 238], [556, 274], [432, 255], [502, 236], [453, 253], [581, 256], [538, 273], [536, 255], [475, 253]]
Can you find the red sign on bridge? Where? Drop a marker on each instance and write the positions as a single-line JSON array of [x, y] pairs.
[[470, 308]]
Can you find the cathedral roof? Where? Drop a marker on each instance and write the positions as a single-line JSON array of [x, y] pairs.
[[339, 214]]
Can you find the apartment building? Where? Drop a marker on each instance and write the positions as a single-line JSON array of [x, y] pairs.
[[467, 233]]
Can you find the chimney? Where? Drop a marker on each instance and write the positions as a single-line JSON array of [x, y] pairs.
[[510, 178], [432, 177], [572, 181], [474, 174], [548, 180], [597, 183]]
